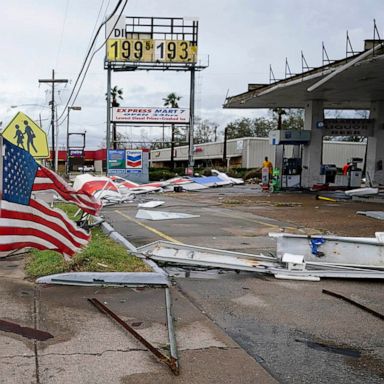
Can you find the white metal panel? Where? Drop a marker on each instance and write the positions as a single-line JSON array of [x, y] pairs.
[[259, 148], [338, 153], [253, 150]]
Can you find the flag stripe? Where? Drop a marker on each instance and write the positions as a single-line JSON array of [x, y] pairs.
[[28, 242], [24, 220], [59, 217], [51, 229], [21, 232], [48, 180], [44, 183]]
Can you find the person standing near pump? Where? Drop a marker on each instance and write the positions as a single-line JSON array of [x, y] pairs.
[[266, 171], [267, 164]]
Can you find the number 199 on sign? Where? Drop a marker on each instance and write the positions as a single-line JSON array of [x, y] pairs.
[[129, 50]]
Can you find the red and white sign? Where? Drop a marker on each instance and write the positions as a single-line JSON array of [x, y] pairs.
[[150, 115]]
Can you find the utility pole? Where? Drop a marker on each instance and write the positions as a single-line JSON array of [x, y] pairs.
[[53, 81]]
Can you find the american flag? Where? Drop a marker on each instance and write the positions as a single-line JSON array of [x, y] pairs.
[[48, 180], [26, 222]]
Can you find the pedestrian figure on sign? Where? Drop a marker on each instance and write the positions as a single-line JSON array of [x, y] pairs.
[[20, 136], [30, 136]]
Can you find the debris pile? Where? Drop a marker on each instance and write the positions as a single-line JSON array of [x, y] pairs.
[[115, 189], [298, 257]]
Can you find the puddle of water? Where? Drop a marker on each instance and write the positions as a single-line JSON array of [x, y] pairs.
[[29, 333]]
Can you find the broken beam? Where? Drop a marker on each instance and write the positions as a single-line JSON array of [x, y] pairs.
[[355, 303], [170, 361]]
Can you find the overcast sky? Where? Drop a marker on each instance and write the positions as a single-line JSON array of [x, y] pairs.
[[241, 37]]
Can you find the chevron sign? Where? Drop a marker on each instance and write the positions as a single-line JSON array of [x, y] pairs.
[[134, 159]]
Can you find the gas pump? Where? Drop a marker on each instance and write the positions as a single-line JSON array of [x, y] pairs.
[[352, 176], [355, 173], [291, 175], [291, 167]]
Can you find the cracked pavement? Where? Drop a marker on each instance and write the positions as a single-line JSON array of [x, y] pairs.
[[88, 347]]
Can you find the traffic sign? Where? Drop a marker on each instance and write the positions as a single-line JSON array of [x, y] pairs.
[[25, 133]]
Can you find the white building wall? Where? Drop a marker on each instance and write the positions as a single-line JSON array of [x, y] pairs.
[[252, 150], [257, 149], [337, 152]]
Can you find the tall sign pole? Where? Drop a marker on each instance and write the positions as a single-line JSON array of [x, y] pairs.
[[154, 44], [53, 81], [191, 118], [108, 130]]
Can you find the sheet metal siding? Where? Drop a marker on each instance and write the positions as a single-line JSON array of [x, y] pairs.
[[340, 152], [253, 150], [258, 149]]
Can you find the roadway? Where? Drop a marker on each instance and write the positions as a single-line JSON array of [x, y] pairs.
[[297, 333]]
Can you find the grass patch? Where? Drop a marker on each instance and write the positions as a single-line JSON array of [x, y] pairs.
[[101, 255]]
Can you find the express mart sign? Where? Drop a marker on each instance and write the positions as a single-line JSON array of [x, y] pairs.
[[150, 115]]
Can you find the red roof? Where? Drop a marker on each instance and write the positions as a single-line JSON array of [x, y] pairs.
[[97, 154]]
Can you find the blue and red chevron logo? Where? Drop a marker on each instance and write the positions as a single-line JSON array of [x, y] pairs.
[[134, 159]]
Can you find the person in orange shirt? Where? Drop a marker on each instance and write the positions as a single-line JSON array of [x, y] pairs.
[[267, 164]]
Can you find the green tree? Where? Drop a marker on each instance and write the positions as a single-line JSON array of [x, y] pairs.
[[116, 94], [205, 131], [262, 126], [239, 128], [246, 127], [287, 119], [172, 100]]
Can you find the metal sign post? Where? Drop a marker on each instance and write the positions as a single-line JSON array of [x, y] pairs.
[[108, 130], [154, 44], [191, 162]]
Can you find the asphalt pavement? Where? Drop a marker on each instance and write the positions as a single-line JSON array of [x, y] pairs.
[[297, 333]]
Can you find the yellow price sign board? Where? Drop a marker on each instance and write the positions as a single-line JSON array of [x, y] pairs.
[[129, 50], [151, 51], [25, 133]]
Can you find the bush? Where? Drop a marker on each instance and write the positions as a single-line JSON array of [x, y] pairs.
[[253, 173], [237, 172], [157, 174]]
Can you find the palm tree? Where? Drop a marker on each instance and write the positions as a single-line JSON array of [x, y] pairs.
[[172, 101], [279, 112], [116, 94]]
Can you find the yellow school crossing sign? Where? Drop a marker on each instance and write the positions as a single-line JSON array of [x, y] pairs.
[[25, 133]]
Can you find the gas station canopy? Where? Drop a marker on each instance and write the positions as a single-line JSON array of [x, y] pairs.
[[350, 83]]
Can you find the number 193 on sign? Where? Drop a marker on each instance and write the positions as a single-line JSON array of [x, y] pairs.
[[177, 51]]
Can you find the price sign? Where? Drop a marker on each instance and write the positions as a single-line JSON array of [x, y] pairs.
[[151, 51], [129, 50]]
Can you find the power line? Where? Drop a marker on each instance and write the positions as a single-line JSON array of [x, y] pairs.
[[88, 53], [94, 53], [62, 33]]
